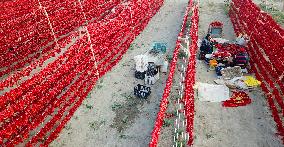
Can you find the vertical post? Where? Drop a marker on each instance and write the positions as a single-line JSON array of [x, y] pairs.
[[282, 5]]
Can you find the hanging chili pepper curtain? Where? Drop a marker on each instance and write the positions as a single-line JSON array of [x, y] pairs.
[[266, 52], [44, 102]]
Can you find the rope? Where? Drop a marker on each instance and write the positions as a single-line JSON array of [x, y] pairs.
[[89, 37], [49, 23]]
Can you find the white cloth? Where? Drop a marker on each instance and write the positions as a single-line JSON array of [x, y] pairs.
[[141, 62], [208, 56], [221, 40], [212, 92], [236, 82], [241, 41], [164, 67]]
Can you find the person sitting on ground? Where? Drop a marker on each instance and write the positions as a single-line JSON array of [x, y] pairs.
[[206, 46], [242, 40], [241, 59]]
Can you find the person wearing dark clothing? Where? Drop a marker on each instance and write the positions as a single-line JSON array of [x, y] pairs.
[[206, 46], [241, 59]]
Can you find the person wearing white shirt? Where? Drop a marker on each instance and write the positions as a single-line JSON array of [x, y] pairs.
[[242, 40]]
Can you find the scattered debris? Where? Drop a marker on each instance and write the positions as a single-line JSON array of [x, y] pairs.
[[116, 106], [89, 106], [231, 72], [95, 125], [168, 122]]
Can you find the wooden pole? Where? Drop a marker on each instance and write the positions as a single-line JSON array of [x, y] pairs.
[[282, 5]]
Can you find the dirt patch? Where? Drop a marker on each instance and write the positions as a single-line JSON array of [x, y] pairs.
[[95, 125], [125, 113]]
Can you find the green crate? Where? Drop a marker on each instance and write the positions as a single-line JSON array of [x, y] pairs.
[[159, 47]]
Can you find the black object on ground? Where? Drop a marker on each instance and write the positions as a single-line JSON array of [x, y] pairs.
[[140, 75], [142, 91]]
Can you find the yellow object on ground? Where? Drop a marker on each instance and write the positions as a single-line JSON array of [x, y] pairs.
[[251, 81], [213, 62]]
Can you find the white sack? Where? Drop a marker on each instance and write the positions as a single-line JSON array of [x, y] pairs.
[[213, 93], [221, 40], [164, 67], [141, 62]]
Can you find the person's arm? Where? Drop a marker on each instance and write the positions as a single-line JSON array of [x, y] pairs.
[[246, 41], [202, 46], [234, 59], [247, 56]]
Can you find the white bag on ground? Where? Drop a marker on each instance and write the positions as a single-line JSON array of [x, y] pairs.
[[141, 62], [164, 67], [221, 40], [213, 93]]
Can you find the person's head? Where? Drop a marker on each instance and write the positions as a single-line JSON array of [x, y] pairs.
[[208, 37], [246, 36], [242, 50]]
